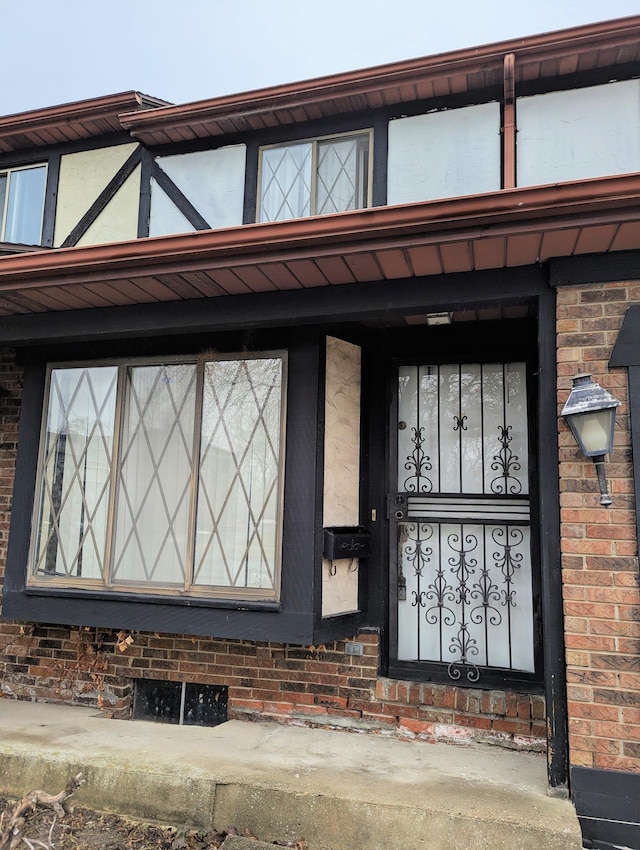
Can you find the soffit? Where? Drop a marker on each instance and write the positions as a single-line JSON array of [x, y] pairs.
[[506, 230], [70, 122], [578, 50]]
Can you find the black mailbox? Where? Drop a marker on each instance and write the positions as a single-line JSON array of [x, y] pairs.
[[346, 541]]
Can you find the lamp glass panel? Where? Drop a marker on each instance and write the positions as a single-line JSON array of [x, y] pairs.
[[594, 431]]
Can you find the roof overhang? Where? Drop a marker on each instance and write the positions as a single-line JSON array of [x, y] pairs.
[[70, 122], [605, 45], [506, 229]]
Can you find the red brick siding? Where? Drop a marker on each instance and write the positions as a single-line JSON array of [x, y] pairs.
[[265, 680], [599, 547], [10, 396]]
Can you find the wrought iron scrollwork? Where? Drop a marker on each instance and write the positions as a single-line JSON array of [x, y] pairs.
[[506, 462], [418, 463]]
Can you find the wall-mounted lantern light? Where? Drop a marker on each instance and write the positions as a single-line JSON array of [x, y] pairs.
[[590, 412]]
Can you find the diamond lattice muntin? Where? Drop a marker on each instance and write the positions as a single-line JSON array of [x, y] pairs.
[[238, 497], [152, 525], [76, 473], [286, 183], [163, 476]]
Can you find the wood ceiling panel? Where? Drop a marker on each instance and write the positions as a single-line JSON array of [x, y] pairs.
[[394, 264], [71, 299], [255, 279], [8, 308], [424, 89], [25, 303], [180, 286], [46, 300], [93, 298], [560, 243], [158, 290], [105, 292], [594, 240], [489, 314], [456, 257], [281, 276], [523, 249], [307, 273], [204, 283], [627, 237], [335, 269], [441, 87], [489, 253], [229, 281], [364, 267], [458, 83], [425, 260], [133, 293]]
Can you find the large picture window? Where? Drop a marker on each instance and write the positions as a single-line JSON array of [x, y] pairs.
[[22, 204], [163, 476], [315, 177]]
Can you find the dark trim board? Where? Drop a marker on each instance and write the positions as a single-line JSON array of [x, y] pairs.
[[626, 351], [50, 200], [608, 806], [177, 197], [595, 268], [551, 574]]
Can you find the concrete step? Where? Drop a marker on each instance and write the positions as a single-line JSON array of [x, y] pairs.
[[336, 790]]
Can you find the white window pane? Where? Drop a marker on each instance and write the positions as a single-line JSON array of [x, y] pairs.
[[237, 529], [24, 210], [76, 473], [285, 182], [339, 184], [3, 195], [152, 523]]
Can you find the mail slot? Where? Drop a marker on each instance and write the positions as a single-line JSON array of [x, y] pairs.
[[346, 542]]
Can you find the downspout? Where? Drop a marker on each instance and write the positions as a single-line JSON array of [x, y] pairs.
[[509, 128]]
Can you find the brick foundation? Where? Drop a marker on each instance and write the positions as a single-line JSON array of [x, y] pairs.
[[290, 684], [599, 548]]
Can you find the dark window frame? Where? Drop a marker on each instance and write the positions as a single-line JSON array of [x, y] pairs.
[[295, 618]]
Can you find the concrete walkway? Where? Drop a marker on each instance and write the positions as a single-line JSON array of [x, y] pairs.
[[338, 790]]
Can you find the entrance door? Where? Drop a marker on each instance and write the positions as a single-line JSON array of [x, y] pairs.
[[462, 585]]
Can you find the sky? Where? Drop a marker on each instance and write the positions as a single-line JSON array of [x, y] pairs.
[[58, 51]]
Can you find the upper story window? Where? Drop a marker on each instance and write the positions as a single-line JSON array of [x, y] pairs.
[[315, 177], [22, 204], [163, 476]]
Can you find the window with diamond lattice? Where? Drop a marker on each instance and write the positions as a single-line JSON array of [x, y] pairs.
[[314, 177], [163, 476]]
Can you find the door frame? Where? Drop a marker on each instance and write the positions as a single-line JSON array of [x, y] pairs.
[[545, 479], [492, 678]]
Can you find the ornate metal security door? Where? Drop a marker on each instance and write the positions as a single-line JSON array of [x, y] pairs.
[[461, 536]]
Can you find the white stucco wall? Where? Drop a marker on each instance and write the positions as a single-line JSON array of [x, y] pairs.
[[577, 134], [83, 176], [213, 181], [444, 154]]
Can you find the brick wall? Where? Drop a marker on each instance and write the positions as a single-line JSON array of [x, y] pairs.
[[10, 396], [599, 548], [304, 685], [309, 685]]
